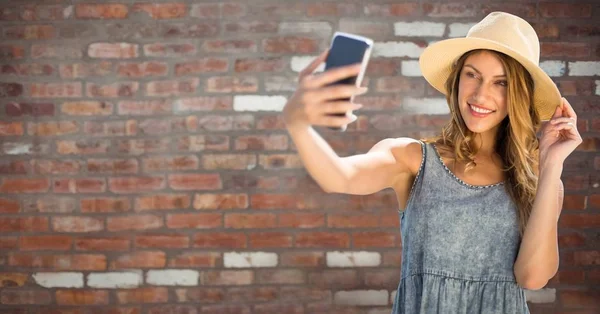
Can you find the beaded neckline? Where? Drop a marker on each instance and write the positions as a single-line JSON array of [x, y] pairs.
[[449, 172]]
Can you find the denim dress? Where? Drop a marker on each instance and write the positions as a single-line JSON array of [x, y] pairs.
[[459, 245]]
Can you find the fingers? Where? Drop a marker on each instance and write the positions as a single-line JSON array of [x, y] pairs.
[[563, 120], [568, 109], [333, 75], [338, 107], [336, 92], [557, 112], [309, 69], [335, 121]]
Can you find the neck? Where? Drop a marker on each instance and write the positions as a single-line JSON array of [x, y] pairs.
[[486, 144]]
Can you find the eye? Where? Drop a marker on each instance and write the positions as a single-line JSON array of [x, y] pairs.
[[502, 83], [470, 74]]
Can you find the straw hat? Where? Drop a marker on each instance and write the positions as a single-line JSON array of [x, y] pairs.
[[501, 32]]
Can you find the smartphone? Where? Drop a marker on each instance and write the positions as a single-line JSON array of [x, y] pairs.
[[347, 49]]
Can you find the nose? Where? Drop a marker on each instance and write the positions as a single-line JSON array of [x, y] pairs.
[[481, 92]]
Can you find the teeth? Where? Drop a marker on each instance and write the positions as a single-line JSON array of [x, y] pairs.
[[479, 110]]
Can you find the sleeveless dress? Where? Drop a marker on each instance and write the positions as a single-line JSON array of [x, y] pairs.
[[459, 245]]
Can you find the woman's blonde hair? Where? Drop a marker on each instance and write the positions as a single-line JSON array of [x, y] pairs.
[[516, 142]]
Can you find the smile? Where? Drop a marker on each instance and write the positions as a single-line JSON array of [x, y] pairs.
[[480, 110]]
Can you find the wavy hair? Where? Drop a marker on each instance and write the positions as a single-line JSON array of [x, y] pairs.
[[516, 141]]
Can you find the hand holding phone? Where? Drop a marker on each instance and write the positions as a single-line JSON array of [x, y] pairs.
[[347, 49]]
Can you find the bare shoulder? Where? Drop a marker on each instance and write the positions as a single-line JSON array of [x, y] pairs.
[[406, 151]]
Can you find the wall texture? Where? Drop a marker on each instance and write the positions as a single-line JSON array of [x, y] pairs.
[[145, 167]]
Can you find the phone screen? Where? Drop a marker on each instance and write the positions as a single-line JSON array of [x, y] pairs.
[[345, 51]]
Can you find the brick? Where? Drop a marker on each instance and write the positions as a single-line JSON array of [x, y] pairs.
[[584, 68], [331, 9], [579, 221], [258, 103], [121, 89], [220, 201], [59, 280], [28, 185], [195, 221], [290, 44], [83, 147], [46, 12], [32, 69], [173, 87], [13, 280], [389, 10], [201, 66], [352, 221], [568, 277], [353, 259], [45, 242], [249, 259], [19, 109], [254, 65], [11, 52], [195, 181], [143, 295], [362, 297], [142, 146], [397, 49], [230, 84], [419, 29], [280, 276], [162, 202], [77, 224], [85, 70], [25, 297], [110, 243], [136, 222], [580, 299], [162, 10], [9, 206], [140, 70], [432, 106], [251, 27], [101, 11], [112, 280], [8, 243], [565, 49], [136, 184], [162, 241], [172, 309], [244, 221], [201, 104], [275, 201], [13, 167], [55, 90], [11, 90], [80, 262], [248, 295], [140, 259], [278, 9], [169, 50], [50, 204], [301, 220], [372, 239], [226, 123], [280, 161], [150, 107], [232, 46], [90, 185], [54, 128], [322, 239], [111, 128], [11, 128], [113, 50], [270, 240], [55, 51], [16, 148], [302, 259], [449, 10], [30, 32], [173, 277], [189, 30], [195, 260], [55, 166], [114, 166], [219, 240], [228, 277], [564, 10]]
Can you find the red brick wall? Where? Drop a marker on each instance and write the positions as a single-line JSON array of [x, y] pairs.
[[138, 176]]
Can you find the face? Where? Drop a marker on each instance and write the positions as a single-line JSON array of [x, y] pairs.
[[482, 92]]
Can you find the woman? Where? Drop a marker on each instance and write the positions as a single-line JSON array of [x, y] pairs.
[[480, 203]]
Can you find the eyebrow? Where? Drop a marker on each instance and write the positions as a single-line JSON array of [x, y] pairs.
[[478, 72]]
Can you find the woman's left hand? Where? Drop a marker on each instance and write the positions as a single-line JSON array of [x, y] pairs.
[[559, 136]]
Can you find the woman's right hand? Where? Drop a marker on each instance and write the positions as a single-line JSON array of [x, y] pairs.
[[315, 103]]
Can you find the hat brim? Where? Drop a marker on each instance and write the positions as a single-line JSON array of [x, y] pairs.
[[436, 63]]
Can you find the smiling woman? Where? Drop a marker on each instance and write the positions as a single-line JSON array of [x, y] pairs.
[[479, 203]]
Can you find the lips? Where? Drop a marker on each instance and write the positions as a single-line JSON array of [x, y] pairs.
[[479, 111]]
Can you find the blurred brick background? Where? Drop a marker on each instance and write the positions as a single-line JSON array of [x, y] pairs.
[[145, 168]]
